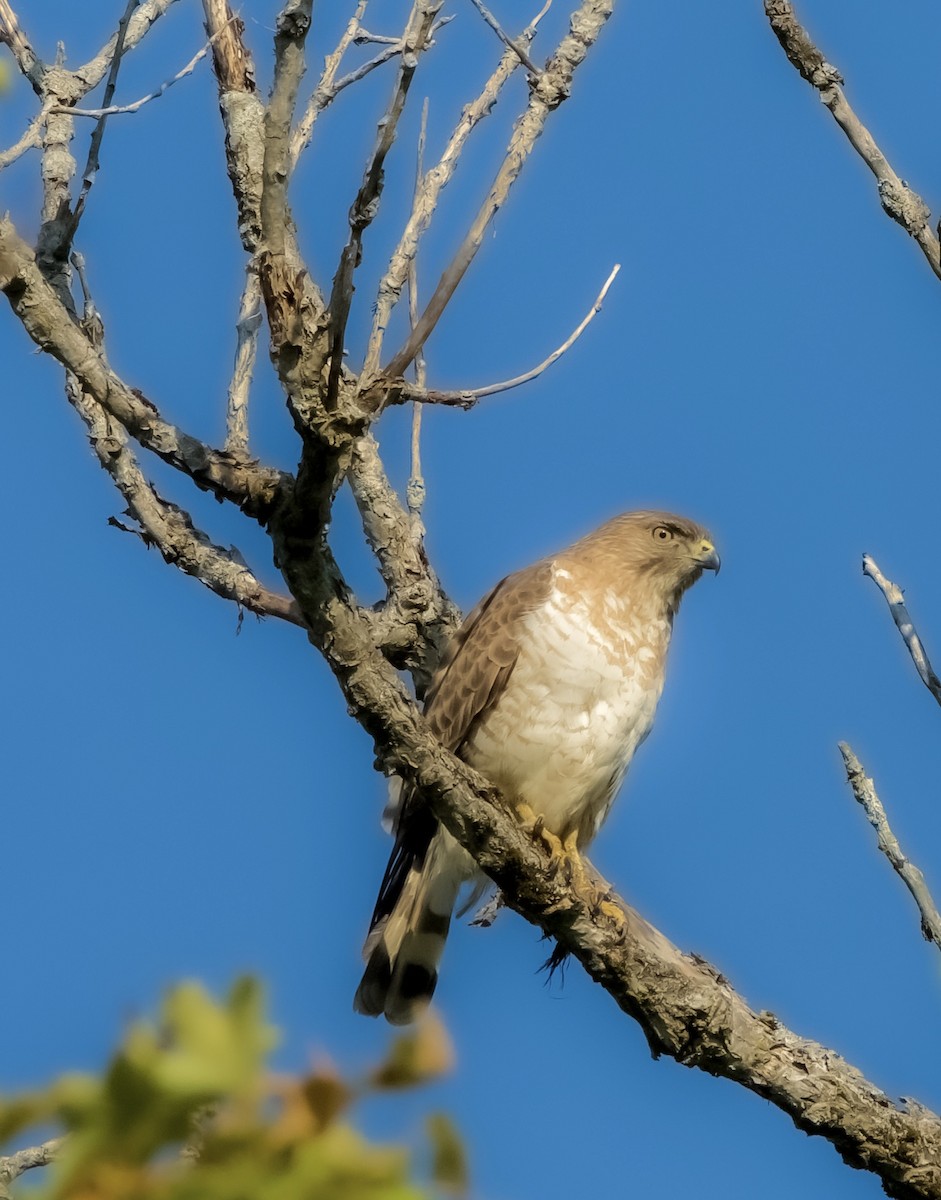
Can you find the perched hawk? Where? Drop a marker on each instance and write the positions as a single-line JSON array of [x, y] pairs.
[[548, 689]]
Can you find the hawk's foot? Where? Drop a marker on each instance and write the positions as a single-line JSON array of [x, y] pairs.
[[601, 902], [563, 855]]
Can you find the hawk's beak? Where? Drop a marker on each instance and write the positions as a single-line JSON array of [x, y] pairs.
[[708, 557]]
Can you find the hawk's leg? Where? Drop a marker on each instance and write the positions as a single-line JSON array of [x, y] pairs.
[[564, 856]]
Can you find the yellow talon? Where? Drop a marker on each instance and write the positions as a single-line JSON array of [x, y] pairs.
[[564, 855]]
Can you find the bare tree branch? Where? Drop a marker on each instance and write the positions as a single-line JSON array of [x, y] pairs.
[[145, 15], [330, 87], [249, 323], [161, 523], [13, 36], [170, 528], [94, 148], [32, 137], [901, 203], [553, 86], [896, 602], [14, 1165], [415, 595], [291, 34], [115, 110], [325, 90], [254, 488], [865, 792], [243, 116], [426, 200], [469, 396], [415, 488], [366, 204], [518, 49]]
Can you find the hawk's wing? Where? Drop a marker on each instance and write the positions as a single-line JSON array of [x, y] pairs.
[[472, 675]]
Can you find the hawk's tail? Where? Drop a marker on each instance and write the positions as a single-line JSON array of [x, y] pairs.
[[404, 948]]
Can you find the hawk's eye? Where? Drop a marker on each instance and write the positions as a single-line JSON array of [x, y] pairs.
[[662, 534]]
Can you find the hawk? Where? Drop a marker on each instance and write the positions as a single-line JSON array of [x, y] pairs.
[[547, 689]]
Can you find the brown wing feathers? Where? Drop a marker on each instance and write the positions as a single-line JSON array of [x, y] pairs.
[[409, 923]]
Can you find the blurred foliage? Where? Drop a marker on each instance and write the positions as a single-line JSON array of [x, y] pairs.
[[187, 1110]]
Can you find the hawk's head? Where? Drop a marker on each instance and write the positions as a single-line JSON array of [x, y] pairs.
[[666, 552]]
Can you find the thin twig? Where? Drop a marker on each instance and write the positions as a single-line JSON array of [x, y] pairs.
[[415, 488], [119, 109], [469, 396], [365, 38], [249, 323], [896, 602], [324, 92], [92, 73], [865, 793], [497, 28], [553, 86], [32, 137], [365, 206], [94, 148], [901, 203], [426, 199]]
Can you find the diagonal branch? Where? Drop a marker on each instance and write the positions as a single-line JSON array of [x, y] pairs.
[[517, 47], [865, 792], [32, 67], [12, 1166], [903, 205], [426, 200], [116, 110], [366, 204], [686, 1007], [94, 148], [469, 396], [145, 15], [169, 527], [47, 321], [326, 90], [896, 602], [161, 523], [32, 137], [547, 93]]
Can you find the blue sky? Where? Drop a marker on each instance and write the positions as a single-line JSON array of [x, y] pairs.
[[186, 802]]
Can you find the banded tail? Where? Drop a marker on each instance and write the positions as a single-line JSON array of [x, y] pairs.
[[407, 935]]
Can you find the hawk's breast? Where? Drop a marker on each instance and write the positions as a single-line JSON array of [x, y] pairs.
[[579, 701]]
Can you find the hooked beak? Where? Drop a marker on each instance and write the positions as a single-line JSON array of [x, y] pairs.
[[708, 557]]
